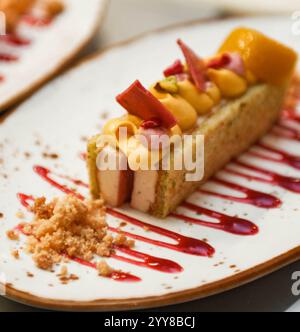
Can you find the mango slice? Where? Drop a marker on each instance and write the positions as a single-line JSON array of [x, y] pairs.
[[269, 61]]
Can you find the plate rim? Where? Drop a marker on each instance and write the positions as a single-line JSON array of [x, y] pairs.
[[59, 69], [172, 298], [151, 302]]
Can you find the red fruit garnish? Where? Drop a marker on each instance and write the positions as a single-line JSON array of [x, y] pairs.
[[140, 102], [230, 61], [175, 69], [150, 124], [195, 64], [219, 62]]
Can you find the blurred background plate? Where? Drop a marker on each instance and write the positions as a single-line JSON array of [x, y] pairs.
[[251, 6], [42, 50]]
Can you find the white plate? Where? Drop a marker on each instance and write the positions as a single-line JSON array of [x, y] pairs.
[[57, 119], [50, 48]]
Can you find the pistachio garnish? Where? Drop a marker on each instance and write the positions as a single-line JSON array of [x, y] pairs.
[[169, 84]]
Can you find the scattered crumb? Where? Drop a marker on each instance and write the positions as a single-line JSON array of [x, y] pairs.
[[50, 155], [30, 275], [12, 235], [1, 215], [65, 277], [104, 115], [232, 266], [69, 227], [121, 240], [104, 269], [74, 277], [27, 155], [20, 215], [15, 254], [146, 228], [123, 224], [64, 271]]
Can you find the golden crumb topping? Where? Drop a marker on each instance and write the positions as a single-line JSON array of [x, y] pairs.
[[68, 227]]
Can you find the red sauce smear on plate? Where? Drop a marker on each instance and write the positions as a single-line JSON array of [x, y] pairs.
[[15, 40], [291, 114], [5, 57], [226, 223], [282, 156], [252, 197], [287, 132], [289, 183], [115, 275], [184, 244]]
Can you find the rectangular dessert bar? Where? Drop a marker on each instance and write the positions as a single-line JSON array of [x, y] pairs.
[[232, 99], [231, 130]]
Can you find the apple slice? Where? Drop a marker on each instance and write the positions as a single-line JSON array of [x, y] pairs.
[[195, 64], [116, 185], [140, 102]]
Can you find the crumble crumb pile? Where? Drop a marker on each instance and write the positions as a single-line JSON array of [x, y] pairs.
[[69, 227]]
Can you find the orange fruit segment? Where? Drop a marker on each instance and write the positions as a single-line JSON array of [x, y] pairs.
[[269, 60]]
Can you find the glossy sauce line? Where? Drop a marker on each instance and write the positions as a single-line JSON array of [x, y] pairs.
[[286, 132], [233, 225], [289, 183], [252, 197], [184, 244], [282, 156]]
